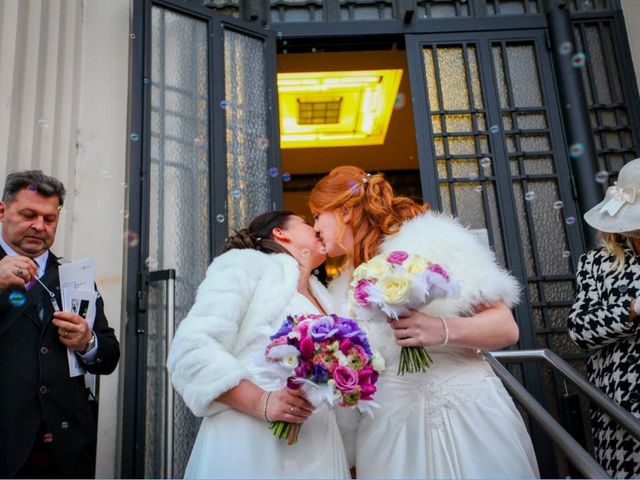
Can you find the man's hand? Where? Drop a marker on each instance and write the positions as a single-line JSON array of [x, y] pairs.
[[16, 271], [73, 331]]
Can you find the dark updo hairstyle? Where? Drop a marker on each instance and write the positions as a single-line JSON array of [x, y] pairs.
[[259, 234]]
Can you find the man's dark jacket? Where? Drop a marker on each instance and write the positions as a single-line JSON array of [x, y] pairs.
[[35, 385]]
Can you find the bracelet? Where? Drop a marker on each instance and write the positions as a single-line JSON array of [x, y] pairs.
[[446, 332], [264, 412]]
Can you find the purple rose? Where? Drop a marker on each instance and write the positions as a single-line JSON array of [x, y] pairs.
[[437, 268], [285, 328], [360, 292], [322, 328], [346, 378], [397, 257], [346, 327]]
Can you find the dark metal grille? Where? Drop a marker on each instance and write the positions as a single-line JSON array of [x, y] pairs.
[[319, 113], [542, 220], [513, 7], [460, 136], [607, 97], [592, 5], [297, 11], [226, 7], [442, 8], [350, 10], [366, 10]]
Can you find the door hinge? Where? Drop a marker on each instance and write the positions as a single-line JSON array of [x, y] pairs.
[[143, 301]]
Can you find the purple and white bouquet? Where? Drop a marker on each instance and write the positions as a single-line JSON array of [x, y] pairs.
[[390, 285], [329, 358]]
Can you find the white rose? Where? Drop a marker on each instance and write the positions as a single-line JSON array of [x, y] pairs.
[[377, 362]]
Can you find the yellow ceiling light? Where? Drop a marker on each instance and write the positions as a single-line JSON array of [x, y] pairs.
[[336, 109]]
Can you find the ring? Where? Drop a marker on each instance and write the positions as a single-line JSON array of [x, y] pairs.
[[291, 409], [65, 333], [19, 271]]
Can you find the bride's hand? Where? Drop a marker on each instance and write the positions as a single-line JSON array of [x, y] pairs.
[[418, 329], [288, 405]]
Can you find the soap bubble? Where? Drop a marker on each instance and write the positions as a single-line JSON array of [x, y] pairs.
[[131, 238], [565, 48], [602, 176], [578, 60], [576, 150], [17, 299]]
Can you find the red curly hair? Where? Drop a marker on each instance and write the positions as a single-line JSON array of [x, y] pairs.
[[375, 211]]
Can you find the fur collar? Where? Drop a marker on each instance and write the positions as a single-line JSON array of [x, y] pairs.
[[442, 239]]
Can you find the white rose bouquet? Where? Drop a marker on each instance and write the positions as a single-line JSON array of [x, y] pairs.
[[390, 285]]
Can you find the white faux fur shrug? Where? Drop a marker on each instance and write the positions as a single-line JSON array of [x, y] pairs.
[[442, 239], [242, 299]]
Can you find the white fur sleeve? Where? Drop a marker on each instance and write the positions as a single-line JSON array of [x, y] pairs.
[[482, 279], [442, 239], [200, 362]]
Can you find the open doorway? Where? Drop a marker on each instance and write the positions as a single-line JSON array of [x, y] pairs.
[[396, 156]]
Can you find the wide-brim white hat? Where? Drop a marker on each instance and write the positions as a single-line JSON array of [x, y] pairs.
[[619, 212]]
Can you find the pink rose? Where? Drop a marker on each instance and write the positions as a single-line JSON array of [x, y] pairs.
[[344, 345], [360, 292], [397, 257], [307, 347], [303, 327], [366, 391], [368, 375], [437, 268], [346, 378]]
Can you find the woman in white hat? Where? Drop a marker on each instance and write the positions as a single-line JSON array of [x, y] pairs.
[[605, 318]]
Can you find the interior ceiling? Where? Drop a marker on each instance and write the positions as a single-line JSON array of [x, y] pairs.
[[399, 149]]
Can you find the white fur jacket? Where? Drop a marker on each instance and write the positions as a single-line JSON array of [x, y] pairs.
[[242, 300], [442, 239]]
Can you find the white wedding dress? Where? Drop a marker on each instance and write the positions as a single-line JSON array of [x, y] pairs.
[[454, 421], [231, 444]]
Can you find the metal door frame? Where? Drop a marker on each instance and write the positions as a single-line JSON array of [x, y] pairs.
[[132, 415]]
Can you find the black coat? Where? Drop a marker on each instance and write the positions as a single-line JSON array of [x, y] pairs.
[[35, 385]]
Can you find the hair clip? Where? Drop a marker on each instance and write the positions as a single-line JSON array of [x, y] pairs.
[[366, 179], [258, 239]]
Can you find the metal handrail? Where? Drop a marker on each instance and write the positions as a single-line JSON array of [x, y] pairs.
[[583, 461], [168, 276], [574, 451], [615, 411]]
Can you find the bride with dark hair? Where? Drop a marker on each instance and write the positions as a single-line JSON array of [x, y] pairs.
[[263, 275]]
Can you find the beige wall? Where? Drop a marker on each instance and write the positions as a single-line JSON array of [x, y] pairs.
[[63, 108], [631, 12]]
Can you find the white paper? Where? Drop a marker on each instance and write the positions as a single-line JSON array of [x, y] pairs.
[[79, 275], [77, 289]]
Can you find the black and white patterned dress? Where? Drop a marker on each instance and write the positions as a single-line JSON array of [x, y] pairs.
[[599, 322]]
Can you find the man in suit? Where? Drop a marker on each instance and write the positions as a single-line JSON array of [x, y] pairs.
[[48, 424]]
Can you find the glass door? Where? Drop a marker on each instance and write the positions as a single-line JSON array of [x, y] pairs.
[[207, 163], [492, 152]]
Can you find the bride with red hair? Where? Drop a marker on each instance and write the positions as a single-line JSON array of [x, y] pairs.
[[456, 419]]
